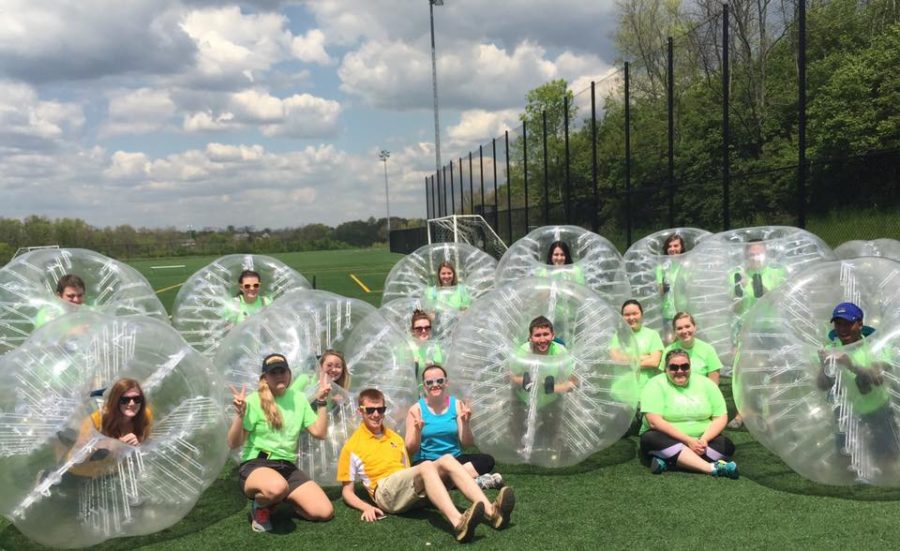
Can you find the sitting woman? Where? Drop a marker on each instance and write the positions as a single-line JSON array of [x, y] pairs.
[[560, 258], [448, 293], [683, 421], [268, 425], [438, 424], [248, 300]]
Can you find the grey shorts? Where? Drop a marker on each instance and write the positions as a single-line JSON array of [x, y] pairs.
[[294, 476]]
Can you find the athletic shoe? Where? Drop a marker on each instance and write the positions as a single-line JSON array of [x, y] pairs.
[[503, 507], [727, 469], [465, 530], [259, 518], [498, 480], [485, 481], [736, 423], [658, 466]]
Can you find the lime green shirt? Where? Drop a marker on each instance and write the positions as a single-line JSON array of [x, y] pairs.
[[648, 341], [554, 370], [690, 408], [568, 272], [238, 310], [862, 357], [750, 285], [704, 359], [666, 274], [279, 444], [448, 298], [427, 354]]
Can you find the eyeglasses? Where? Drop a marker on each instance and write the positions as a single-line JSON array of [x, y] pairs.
[[679, 367], [435, 382], [250, 285], [125, 400], [422, 328], [276, 371], [372, 410]]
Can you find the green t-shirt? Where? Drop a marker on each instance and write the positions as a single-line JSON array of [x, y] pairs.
[[648, 341], [427, 353], [748, 286], [704, 359], [559, 371], [279, 444], [689, 408], [568, 272], [666, 274], [238, 310], [448, 298], [861, 355]]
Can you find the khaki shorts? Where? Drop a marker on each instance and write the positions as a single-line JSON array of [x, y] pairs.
[[400, 491]]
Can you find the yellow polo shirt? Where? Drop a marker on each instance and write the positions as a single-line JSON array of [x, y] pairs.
[[368, 458]]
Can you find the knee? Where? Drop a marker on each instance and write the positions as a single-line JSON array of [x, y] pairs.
[[320, 512], [274, 491]]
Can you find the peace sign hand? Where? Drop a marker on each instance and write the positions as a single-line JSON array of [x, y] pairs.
[[239, 399], [463, 411]]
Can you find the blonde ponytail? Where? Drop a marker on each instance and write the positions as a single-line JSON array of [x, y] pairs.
[[267, 403]]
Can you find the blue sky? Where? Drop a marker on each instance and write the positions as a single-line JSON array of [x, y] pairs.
[[264, 113]]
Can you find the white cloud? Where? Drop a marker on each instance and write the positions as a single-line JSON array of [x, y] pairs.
[[477, 125], [310, 48], [27, 122], [138, 111]]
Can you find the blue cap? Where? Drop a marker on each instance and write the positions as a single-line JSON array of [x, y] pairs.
[[847, 311]]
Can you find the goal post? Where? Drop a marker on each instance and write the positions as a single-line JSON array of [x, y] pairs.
[[466, 228]]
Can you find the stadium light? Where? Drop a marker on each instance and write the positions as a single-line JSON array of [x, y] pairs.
[[384, 154], [437, 125]]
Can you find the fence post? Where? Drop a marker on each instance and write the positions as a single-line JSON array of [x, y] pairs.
[[427, 200], [568, 194], [594, 169], [508, 188], [471, 187], [452, 191], [726, 158], [801, 116], [481, 177], [462, 190], [496, 198], [670, 107], [546, 171], [525, 169], [627, 156], [444, 193]]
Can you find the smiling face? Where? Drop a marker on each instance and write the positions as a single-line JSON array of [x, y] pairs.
[[421, 329], [332, 367], [684, 331], [633, 316], [130, 403], [373, 418], [558, 257], [250, 288], [435, 382], [676, 246], [755, 255], [540, 340], [75, 295], [278, 379], [678, 370], [848, 331], [446, 276]]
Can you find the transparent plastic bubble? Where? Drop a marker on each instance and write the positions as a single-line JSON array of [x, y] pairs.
[[726, 275], [67, 485], [549, 410], [302, 325], [654, 275], [433, 347], [831, 423], [28, 290], [885, 248], [595, 261], [208, 306]]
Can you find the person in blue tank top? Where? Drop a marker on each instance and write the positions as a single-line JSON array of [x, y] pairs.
[[438, 424]]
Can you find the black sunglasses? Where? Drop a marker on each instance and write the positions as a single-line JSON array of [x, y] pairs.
[[250, 285], [370, 410], [125, 400], [679, 367], [435, 382]]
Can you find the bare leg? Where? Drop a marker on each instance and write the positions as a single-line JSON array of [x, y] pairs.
[[690, 461], [437, 492], [311, 503], [471, 470], [449, 468], [266, 486]]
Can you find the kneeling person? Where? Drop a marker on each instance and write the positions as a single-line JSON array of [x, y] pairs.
[[376, 456]]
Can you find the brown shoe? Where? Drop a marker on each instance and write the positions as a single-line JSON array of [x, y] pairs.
[[473, 516], [503, 506]]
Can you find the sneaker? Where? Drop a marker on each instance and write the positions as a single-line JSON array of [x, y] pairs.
[[727, 469], [736, 423], [465, 530], [485, 481], [503, 506], [498, 480], [658, 465], [259, 518]]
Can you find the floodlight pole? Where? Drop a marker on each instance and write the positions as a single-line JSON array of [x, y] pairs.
[[384, 154], [437, 124]]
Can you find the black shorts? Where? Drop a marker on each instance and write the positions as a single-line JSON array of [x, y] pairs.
[[294, 476]]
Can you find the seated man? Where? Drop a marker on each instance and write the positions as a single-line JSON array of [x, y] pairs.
[[861, 374], [70, 288], [376, 456]]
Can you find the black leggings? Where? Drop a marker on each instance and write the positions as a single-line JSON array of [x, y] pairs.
[[658, 444]]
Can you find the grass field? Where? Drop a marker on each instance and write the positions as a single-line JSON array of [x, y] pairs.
[[608, 501]]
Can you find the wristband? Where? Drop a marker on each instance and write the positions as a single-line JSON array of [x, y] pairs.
[[319, 404]]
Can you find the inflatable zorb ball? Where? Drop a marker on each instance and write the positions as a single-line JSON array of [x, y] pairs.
[[204, 309], [521, 412], [654, 275], [377, 357], [830, 421], [595, 261], [729, 272], [28, 290], [67, 485], [885, 248]]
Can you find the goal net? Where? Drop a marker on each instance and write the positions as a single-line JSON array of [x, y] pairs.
[[468, 228]]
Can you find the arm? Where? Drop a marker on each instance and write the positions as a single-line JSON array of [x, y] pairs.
[[236, 433], [566, 386], [713, 376], [657, 422], [370, 513], [651, 360], [319, 428], [714, 429], [464, 430], [413, 436]]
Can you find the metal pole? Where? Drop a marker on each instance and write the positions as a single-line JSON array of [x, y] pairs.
[[496, 199], [670, 97], [508, 188], [525, 169], [594, 169], [437, 124], [546, 170], [726, 158], [462, 190], [801, 116], [444, 192], [568, 194], [481, 172], [427, 199], [627, 156], [452, 191], [471, 190], [384, 155]]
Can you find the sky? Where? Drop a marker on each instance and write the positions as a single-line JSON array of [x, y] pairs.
[[202, 113]]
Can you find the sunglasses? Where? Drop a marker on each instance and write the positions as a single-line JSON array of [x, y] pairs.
[[125, 400], [372, 410], [276, 371], [435, 382], [422, 329], [679, 367], [250, 285]]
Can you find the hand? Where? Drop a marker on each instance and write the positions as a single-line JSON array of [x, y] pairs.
[[696, 447], [371, 514], [129, 439], [823, 381], [865, 378], [416, 415], [324, 388], [463, 413], [239, 399]]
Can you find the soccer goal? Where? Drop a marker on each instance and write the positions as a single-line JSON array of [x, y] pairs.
[[466, 228], [22, 250]]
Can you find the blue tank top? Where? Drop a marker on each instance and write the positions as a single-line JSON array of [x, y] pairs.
[[439, 434]]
